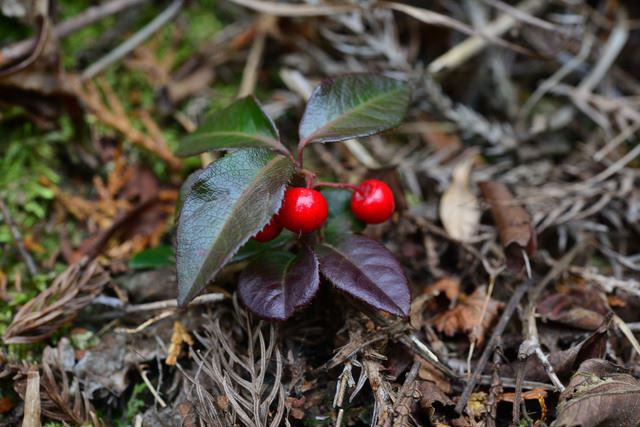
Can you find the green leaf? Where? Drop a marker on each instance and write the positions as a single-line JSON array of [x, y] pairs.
[[185, 189], [352, 106], [231, 200], [252, 248], [242, 124], [160, 256], [341, 219]]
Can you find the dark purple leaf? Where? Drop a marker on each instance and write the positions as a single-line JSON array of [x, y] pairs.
[[365, 269], [275, 285]]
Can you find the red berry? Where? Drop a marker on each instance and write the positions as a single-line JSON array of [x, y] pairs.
[[372, 202], [303, 210], [269, 231]]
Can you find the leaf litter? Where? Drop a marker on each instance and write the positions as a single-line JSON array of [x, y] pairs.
[[546, 98]]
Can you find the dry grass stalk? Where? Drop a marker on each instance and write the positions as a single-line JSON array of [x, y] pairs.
[[71, 291], [32, 399], [237, 380]]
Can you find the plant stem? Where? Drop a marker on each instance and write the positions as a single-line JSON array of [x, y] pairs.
[[136, 40], [301, 146], [300, 158], [335, 185], [309, 177], [17, 238]]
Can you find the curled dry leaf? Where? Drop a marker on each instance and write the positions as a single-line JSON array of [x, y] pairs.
[[472, 315], [430, 393], [58, 304], [423, 305], [459, 207], [600, 394], [448, 285], [513, 222]]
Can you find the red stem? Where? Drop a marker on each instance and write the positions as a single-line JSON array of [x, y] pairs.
[[309, 177], [335, 185]]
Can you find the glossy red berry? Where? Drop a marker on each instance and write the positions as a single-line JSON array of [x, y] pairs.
[[270, 231], [372, 202], [303, 210]]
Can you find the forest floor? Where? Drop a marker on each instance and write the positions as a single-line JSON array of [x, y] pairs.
[[517, 185]]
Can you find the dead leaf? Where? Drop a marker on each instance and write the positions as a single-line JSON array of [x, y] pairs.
[[513, 222], [448, 285], [104, 370], [459, 207], [469, 316], [429, 373], [577, 306], [418, 306], [425, 305], [430, 394], [600, 394]]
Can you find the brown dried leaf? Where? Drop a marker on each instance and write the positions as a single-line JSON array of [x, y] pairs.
[[600, 394], [424, 305], [105, 369], [432, 375], [459, 207], [430, 394], [513, 222], [580, 307], [58, 304], [450, 286], [470, 316]]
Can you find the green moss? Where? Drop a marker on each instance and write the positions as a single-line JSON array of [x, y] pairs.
[[12, 30]]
